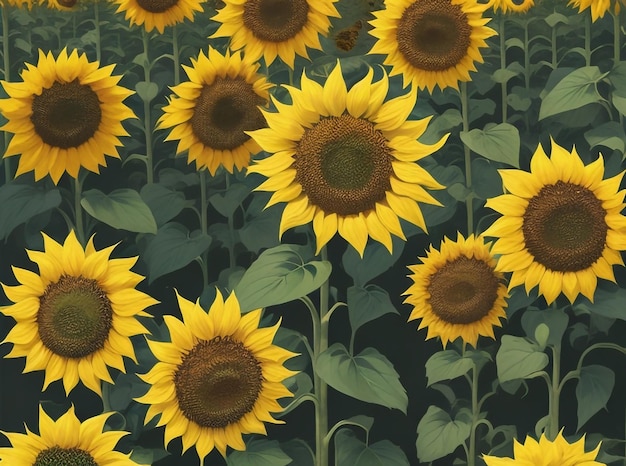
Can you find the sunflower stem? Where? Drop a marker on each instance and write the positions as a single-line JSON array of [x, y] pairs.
[[553, 425], [503, 67], [468, 160], [204, 226], [176, 55], [617, 43], [588, 38], [471, 457], [7, 74], [555, 61], [146, 112], [321, 388], [78, 210], [232, 260], [96, 22]]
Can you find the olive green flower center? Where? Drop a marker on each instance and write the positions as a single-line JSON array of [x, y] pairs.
[[66, 114], [57, 456], [463, 291], [224, 110], [275, 20], [344, 165], [75, 317], [218, 382], [564, 227], [434, 35], [156, 6]]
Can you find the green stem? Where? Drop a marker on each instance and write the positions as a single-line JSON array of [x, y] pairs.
[[321, 389], [468, 160], [7, 76], [96, 22], [175, 54], [503, 85], [526, 57], [553, 425], [587, 38], [146, 112], [471, 457], [617, 43], [78, 211], [555, 61], [232, 260], [204, 226]]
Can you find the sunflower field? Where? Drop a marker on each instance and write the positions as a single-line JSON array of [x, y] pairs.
[[312, 233]]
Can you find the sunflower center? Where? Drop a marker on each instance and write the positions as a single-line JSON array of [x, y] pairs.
[[218, 382], [518, 2], [56, 456], [75, 317], [275, 20], [156, 6], [434, 35], [564, 227], [66, 114], [224, 110], [344, 165], [463, 291]]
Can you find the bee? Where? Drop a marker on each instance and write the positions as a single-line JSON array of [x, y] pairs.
[[346, 38]]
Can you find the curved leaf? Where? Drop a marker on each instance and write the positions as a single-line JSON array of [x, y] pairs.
[[122, 208], [367, 304], [438, 434], [20, 202], [595, 385], [349, 450], [500, 143], [518, 358]]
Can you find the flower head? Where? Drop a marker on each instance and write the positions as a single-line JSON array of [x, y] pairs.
[[157, 14]]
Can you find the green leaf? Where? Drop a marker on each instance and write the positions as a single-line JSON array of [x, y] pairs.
[[519, 99], [143, 455], [439, 435], [441, 125], [259, 452], [486, 181], [367, 304], [555, 319], [122, 208], [617, 77], [595, 385], [518, 358], [227, 202], [280, 275], [447, 365], [376, 260], [172, 248], [368, 377], [503, 75], [575, 90], [164, 203], [175, 179], [497, 142], [147, 90], [556, 18], [349, 450], [299, 452], [21, 202], [542, 332], [609, 134], [607, 304]]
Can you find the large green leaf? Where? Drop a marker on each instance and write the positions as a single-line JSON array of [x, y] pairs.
[[575, 90], [447, 365], [279, 275], [299, 452], [497, 142], [349, 450], [228, 201], [438, 434], [164, 203], [172, 248], [259, 452], [555, 320], [595, 385], [21, 202], [122, 208], [607, 304], [610, 134], [518, 358], [376, 260], [367, 304], [368, 376]]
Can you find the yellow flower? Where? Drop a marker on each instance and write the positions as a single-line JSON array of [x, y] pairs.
[[76, 316], [158, 13], [456, 291], [66, 441], [66, 114], [16, 4], [346, 160], [431, 42], [275, 28], [220, 377], [211, 111], [557, 452], [561, 225], [598, 8], [513, 6]]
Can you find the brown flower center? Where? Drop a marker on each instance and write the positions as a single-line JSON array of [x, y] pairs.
[[275, 20], [75, 317], [156, 6], [66, 115], [218, 382], [564, 227], [224, 110], [434, 35], [344, 165], [57, 456], [463, 291]]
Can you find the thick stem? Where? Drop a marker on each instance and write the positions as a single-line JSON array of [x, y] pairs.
[[526, 57], [204, 225], [468, 160], [553, 425], [503, 85], [471, 457], [7, 74], [232, 260], [555, 61], [321, 389], [96, 22], [617, 43], [78, 211], [146, 112], [175, 54], [588, 38]]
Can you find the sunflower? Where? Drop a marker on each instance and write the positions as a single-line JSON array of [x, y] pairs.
[[548, 453], [74, 318], [61, 5], [513, 6], [220, 377], [211, 111], [561, 225], [457, 292], [66, 114], [16, 4], [158, 13], [346, 160], [66, 441], [598, 8], [271, 28], [431, 42]]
